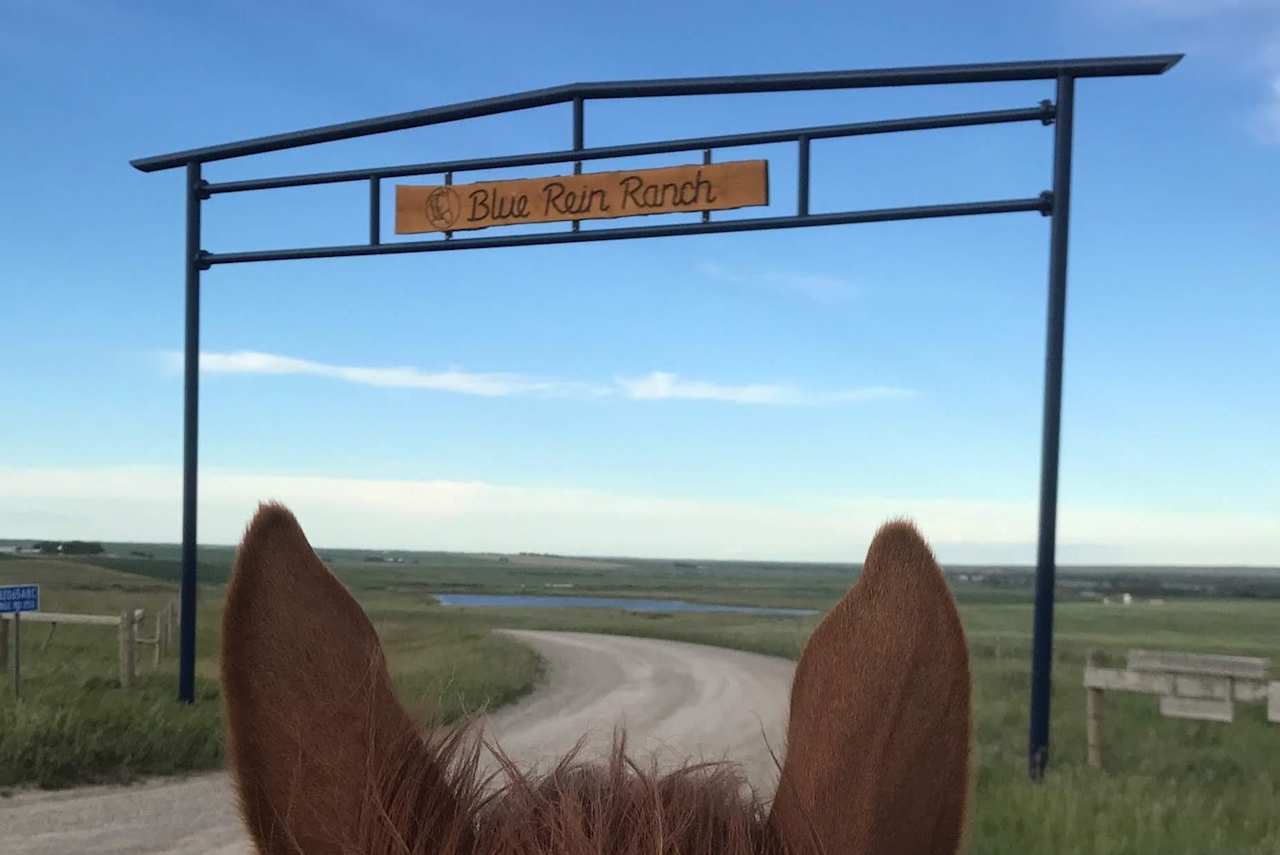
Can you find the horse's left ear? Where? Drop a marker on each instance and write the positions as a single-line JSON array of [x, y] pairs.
[[312, 722], [878, 742]]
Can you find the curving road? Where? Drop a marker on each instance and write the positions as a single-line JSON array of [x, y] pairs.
[[677, 700]]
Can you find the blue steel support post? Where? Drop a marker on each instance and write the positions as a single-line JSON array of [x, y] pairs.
[[190, 415], [706, 161], [1046, 568], [448, 182], [802, 177], [577, 143]]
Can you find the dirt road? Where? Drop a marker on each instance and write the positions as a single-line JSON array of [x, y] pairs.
[[680, 700]]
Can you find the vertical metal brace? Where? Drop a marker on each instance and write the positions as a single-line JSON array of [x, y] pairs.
[[1046, 568], [190, 423], [577, 142], [448, 182], [706, 161], [375, 211], [802, 177]]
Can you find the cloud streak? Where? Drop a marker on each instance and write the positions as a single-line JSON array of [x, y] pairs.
[[654, 386], [664, 386], [1266, 118], [1195, 8], [402, 377], [822, 287], [1241, 35]]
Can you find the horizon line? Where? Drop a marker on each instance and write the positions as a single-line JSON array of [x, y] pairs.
[[617, 557]]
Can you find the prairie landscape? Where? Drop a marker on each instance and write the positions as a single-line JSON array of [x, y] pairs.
[[1168, 786]]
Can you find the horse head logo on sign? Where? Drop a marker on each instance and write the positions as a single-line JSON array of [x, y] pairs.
[[443, 207]]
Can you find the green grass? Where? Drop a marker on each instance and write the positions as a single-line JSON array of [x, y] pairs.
[[1169, 787], [75, 725], [163, 569]]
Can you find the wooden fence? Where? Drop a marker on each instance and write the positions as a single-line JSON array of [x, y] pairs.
[[127, 624], [1189, 685]]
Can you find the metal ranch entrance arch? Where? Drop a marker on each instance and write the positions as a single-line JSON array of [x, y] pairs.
[[1053, 203]]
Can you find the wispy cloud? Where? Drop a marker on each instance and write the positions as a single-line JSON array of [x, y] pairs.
[[1266, 119], [1195, 8], [822, 287], [654, 386], [662, 385], [405, 377], [1242, 36]]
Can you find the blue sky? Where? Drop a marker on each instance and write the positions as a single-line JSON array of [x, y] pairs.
[[772, 395]]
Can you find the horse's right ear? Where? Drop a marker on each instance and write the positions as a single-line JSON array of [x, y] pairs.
[[877, 752], [314, 729]]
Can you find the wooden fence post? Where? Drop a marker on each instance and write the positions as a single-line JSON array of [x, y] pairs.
[[53, 627], [126, 648], [1093, 717], [162, 630]]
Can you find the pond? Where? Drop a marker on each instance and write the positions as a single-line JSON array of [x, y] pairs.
[[515, 601]]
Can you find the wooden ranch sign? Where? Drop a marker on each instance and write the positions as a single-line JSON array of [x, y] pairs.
[[594, 196]]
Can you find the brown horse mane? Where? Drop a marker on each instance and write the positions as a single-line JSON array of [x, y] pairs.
[[328, 762], [579, 806]]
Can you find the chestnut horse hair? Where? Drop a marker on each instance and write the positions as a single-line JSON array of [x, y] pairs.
[[327, 762]]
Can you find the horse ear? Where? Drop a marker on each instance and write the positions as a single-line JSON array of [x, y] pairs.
[[312, 722], [878, 742]]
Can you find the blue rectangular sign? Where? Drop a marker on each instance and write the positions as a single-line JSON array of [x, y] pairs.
[[19, 598]]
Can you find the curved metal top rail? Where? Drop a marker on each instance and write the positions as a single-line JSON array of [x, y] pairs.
[[793, 82]]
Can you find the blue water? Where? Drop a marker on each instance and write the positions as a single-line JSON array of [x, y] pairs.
[[630, 605]]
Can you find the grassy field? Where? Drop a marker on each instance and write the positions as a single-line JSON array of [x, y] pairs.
[[1170, 786]]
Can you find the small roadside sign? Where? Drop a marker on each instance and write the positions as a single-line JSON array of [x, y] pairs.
[[16, 599], [19, 598]]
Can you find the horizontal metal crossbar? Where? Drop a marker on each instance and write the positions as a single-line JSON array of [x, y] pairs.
[[797, 82], [1043, 113], [1042, 203]]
